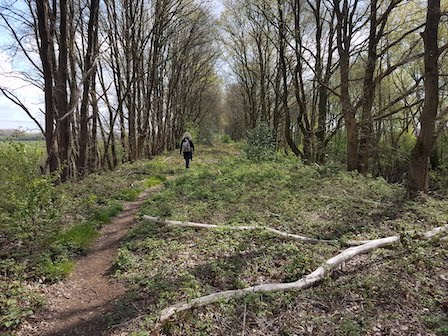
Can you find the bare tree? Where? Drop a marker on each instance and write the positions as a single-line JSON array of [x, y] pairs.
[[418, 167], [90, 73], [46, 52]]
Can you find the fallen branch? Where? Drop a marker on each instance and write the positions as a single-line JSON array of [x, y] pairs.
[[317, 275], [320, 273], [427, 235], [242, 228], [434, 232]]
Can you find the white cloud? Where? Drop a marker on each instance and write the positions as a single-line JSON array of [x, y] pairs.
[[11, 115]]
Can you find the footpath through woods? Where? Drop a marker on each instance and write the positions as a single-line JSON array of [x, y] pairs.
[[83, 304], [232, 226]]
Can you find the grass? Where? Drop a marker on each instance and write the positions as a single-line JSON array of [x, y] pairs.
[[240, 192], [391, 291], [154, 180], [128, 195], [77, 237], [105, 214], [74, 212], [54, 270]]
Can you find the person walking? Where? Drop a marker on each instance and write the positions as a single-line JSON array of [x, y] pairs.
[[187, 148]]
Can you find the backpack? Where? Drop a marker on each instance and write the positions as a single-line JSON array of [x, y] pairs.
[[186, 146]]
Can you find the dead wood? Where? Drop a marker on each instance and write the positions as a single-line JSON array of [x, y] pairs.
[[240, 228], [317, 275]]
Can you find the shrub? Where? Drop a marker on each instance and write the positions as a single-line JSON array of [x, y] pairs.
[[439, 164], [392, 159], [226, 138], [260, 144], [17, 301], [29, 203], [337, 148], [439, 179]]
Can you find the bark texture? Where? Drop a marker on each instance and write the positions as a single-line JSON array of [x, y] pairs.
[[418, 167]]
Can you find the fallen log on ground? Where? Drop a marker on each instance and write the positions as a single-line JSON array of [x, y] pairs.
[[245, 228], [317, 275], [167, 222]]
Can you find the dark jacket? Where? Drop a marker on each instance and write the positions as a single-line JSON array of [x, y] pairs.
[[187, 154]]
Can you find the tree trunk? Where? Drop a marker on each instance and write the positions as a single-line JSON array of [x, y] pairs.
[[418, 167], [283, 68], [45, 53], [365, 141], [343, 43], [61, 98], [89, 74], [351, 126], [323, 77]]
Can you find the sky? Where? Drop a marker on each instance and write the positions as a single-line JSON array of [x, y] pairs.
[[12, 116]]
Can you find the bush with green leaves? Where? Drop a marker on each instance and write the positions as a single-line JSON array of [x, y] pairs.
[[29, 213], [260, 143], [16, 301], [439, 179], [29, 203], [226, 139], [439, 165], [392, 157]]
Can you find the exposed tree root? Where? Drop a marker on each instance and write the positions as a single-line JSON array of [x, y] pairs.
[[317, 275]]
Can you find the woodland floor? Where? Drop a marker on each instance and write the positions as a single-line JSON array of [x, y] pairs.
[[83, 303], [137, 268]]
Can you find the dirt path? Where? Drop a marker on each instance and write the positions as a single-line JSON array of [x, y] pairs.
[[84, 303]]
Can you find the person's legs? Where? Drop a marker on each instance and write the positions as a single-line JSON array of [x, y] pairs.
[[187, 157]]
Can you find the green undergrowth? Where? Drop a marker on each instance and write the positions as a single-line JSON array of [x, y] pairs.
[[395, 291], [57, 261], [323, 202], [44, 226], [131, 194]]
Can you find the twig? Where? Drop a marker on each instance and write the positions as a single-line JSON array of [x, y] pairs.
[[244, 319]]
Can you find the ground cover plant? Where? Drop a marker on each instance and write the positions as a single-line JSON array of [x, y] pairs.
[[397, 291], [45, 226]]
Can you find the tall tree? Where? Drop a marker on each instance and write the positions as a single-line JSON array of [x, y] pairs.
[[46, 53], [345, 14], [61, 96], [283, 67], [90, 73], [418, 167]]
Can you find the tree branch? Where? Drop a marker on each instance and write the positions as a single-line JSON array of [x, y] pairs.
[[241, 228], [307, 281], [13, 98]]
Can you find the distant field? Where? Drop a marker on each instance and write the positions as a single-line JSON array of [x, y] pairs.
[[17, 135], [35, 149], [27, 143]]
